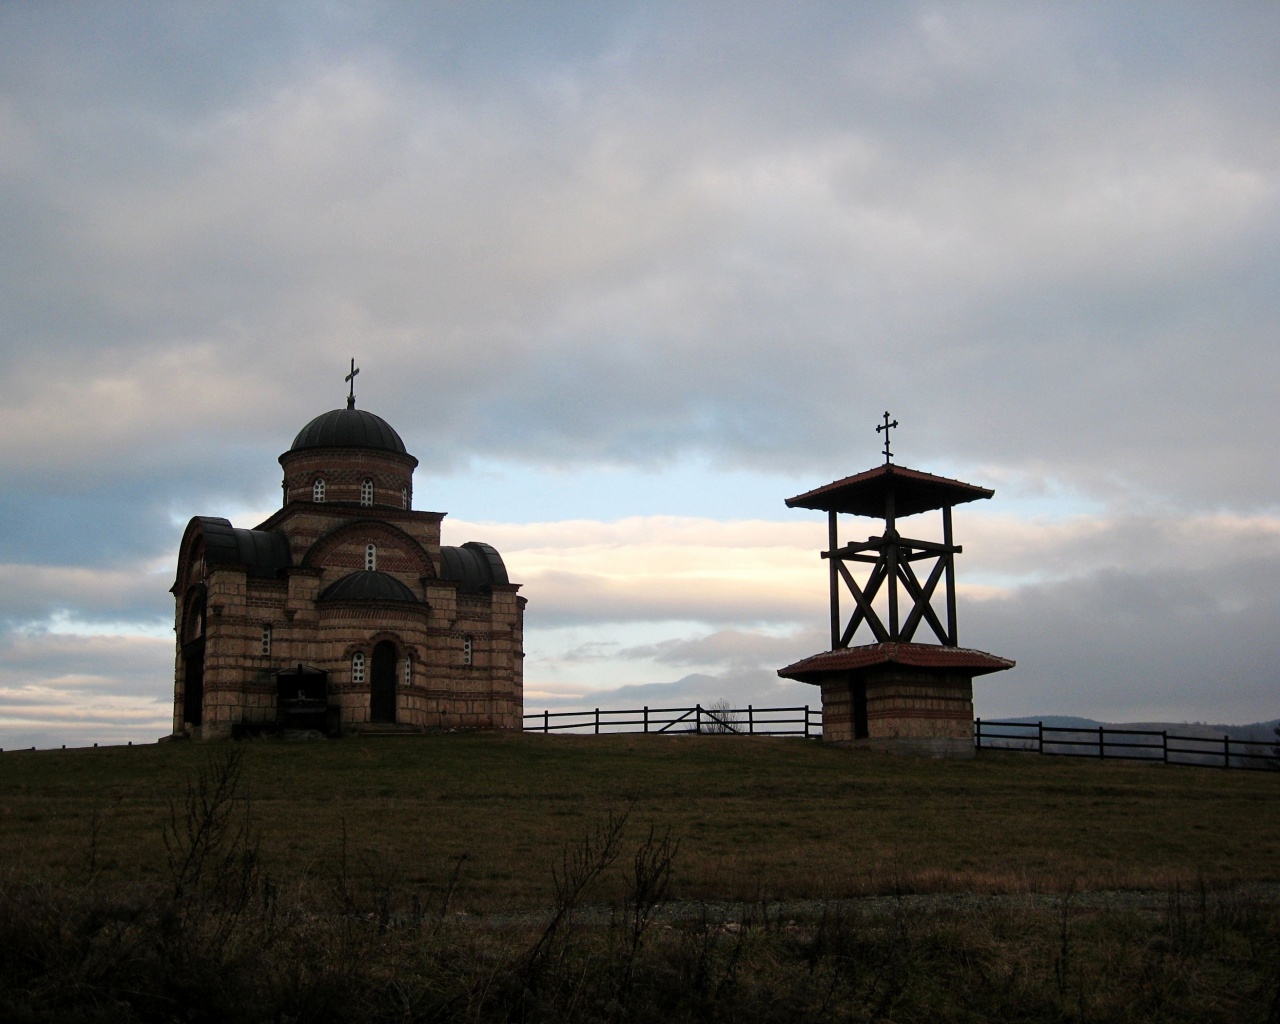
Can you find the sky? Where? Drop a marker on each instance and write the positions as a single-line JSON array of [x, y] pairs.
[[624, 277]]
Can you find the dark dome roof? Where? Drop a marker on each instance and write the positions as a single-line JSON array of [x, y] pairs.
[[476, 567], [348, 428], [262, 552], [367, 586]]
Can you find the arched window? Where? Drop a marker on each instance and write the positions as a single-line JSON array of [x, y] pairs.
[[357, 667], [317, 489], [404, 497], [266, 639], [408, 670], [467, 648], [366, 492], [370, 557]]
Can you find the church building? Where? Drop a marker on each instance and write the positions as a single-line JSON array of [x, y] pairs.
[[342, 613]]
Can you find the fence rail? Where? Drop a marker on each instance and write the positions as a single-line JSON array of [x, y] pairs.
[[748, 721], [1127, 744], [1103, 742]]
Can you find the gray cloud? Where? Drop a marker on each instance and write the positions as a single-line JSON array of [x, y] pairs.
[[1126, 645], [631, 251]]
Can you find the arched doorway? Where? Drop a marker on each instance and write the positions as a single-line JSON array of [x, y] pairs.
[[193, 660], [382, 688]]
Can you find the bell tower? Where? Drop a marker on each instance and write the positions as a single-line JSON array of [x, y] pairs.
[[895, 692]]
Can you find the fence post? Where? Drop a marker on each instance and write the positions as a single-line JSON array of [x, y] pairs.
[[1102, 740], [977, 733], [1040, 737], [1164, 745], [1226, 751], [697, 719], [751, 721], [546, 722], [646, 718], [806, 721], [597, 721]]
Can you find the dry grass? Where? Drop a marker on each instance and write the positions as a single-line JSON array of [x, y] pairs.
[[184, 901], [754, 817]]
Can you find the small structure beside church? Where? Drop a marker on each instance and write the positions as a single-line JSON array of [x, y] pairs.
[[896, 693], [342, 612]]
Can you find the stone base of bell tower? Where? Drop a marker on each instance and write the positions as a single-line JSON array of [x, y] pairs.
[[906, 698]]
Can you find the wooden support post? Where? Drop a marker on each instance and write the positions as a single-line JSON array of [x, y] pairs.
[[806, 721], [1164, 745], [697, 719], [597, 721], [646, 718], [891, 561], [751, 721], [833, 543], [977, 733], [546, 722], [1102, 741], [1226, 751], [952, 633], [1040, 737]]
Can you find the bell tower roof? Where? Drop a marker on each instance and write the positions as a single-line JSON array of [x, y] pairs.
[[914, 491]]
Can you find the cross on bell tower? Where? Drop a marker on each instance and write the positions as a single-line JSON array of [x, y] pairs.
[[888, 456], [895, 688]]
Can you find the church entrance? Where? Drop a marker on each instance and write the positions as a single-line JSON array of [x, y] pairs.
[[382, 691], [193, 657], [193, 682]]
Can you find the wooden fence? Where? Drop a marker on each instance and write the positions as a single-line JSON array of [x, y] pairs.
[[748, 721], [1035, 737], [1127, 744]]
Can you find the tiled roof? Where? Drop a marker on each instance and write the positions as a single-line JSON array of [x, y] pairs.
[[853, 659], [914, 492]]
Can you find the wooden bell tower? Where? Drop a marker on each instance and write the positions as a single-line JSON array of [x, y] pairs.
[[895, 692]]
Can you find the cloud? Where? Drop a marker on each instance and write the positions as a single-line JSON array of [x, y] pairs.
[[83, 689], [626, 260], [759, 688], [34, 594], [596, 245]]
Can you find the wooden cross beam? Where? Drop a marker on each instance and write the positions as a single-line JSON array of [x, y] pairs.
[[890, 558]]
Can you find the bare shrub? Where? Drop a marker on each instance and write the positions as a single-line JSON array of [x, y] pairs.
[[720, 718]]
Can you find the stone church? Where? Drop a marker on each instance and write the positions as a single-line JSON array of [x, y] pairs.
[[342, 613]]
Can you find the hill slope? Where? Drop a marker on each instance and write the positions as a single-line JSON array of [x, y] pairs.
[[754, 817]]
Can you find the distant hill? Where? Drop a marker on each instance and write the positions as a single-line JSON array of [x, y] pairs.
[[1257, 731]]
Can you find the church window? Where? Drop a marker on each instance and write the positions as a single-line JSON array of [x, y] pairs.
[[266, 639], [408, 670], [366, 492], [370, 557], [404, 497], [467, 648], [317, 489], [357, 667]]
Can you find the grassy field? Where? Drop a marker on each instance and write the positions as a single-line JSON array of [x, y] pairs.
[[754, 817], [579, 879]]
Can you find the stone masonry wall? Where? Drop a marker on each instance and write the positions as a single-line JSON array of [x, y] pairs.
[[344, 470], [901, 702]]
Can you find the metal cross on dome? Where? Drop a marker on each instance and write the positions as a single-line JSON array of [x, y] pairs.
[[885, 427], [351, 379]]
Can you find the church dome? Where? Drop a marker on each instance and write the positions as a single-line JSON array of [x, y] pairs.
[[368, 586], [349, 428]]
